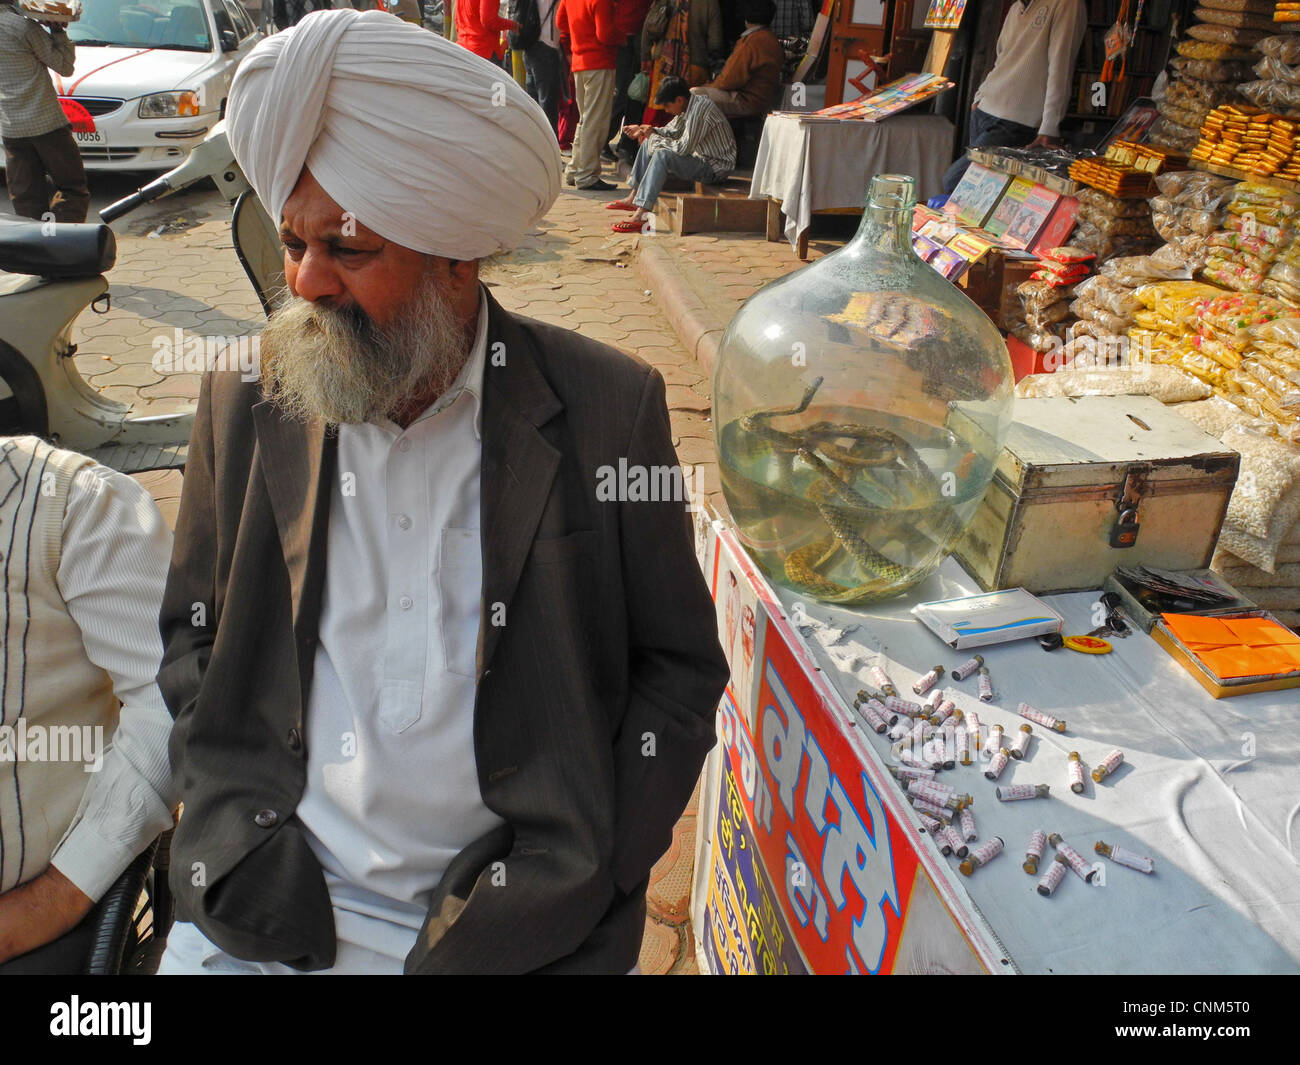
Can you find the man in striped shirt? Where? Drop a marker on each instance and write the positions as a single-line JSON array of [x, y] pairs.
[[697, 145]]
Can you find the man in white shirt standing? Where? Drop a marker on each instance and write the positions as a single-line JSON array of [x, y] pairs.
[[1024, 97], [85, 785]]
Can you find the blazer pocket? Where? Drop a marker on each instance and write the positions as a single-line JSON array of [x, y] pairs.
[[564, 547]]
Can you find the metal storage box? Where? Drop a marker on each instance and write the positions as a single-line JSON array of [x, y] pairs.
[[1078, 475]]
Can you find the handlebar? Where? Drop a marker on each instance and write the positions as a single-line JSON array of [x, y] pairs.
[[153, 191]]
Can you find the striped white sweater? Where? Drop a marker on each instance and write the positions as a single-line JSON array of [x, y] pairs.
[[83, 785]]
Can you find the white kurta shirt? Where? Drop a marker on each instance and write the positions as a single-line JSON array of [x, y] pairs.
[[392, 787]]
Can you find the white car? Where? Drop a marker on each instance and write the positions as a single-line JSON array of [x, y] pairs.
[[151, 77]]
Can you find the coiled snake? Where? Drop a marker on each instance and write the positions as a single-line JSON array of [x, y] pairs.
[[910, 487]]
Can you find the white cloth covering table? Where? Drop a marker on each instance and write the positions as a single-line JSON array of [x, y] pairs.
[[812, 166], [1210, 789]]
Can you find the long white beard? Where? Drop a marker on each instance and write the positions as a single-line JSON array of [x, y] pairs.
[[339, 367]]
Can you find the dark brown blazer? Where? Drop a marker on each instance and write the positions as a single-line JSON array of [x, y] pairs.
[[609, 651]]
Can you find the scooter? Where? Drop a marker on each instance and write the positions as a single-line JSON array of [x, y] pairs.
[[51, 272]]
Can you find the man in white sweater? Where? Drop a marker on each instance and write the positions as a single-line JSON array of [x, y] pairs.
[[1026, 94], [84, 784]]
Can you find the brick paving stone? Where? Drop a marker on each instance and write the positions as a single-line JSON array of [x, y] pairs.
[[659, 949], [681, 398]]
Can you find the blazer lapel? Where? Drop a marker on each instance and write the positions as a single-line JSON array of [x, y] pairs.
[[518, 466], [297, 461]]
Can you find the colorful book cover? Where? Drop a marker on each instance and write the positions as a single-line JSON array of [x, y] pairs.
[[973, 200], [944, 14], [924, 246], [1009, 206], [949, 263], [1059, 226], [971, 246], [940, 230], [898, 95], [1029, 220]]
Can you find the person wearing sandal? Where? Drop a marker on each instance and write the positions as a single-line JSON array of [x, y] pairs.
[[697, 145]]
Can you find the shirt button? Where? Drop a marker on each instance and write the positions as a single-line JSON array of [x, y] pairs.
[[265, 818], [403, 445], [295, 740], [406, 602], [403, 522]]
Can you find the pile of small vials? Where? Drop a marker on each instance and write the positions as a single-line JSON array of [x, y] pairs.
[[932, 736]]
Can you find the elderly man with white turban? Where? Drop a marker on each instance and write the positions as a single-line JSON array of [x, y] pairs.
[[439, 695]]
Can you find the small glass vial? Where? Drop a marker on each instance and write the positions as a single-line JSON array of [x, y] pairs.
[[963, 746], [1076, 773], [943, 712], [955, 841], [997, 763], [994, 742], [873, 719], [973, 728], [1071, 857], [986, 686], [968, 668], [1015, 792], [1020, 743], [1051, 879], [1040, 718], [924, 684], [1034, 851], [937, 812], [1122, 856], [1108, 765], [981, 855], [967, 821], [882, 679]]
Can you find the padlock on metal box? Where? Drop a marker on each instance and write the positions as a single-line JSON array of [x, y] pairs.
[[1086, 485]]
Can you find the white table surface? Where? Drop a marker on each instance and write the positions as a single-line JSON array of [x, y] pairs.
[[1219, 820], [815, 166]]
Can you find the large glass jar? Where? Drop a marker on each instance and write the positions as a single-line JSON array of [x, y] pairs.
[[859, 406]]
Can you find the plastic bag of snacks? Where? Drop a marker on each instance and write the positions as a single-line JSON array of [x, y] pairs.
[[1047, 316], [1192, 188], [1231, 240], [1166, 134], [1279, 330], [1245, 19], [1037, 295], [1211, 50], [1231, 274], [1284, 391], [1068, 255], [1165, 383], [1108, 294], [1282, 290], [1232, 35], [1134, 270], [1111, 324], [1173, 297], [1284, 47], [1231, 318], [1038, 339], [1213, 415], [1270, 68], [1230, 71], [1103, 203], [1280, 97]]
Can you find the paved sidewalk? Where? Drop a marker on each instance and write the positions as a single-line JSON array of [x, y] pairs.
[[662, 298]]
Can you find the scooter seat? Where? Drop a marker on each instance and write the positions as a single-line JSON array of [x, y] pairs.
[[67, 250]]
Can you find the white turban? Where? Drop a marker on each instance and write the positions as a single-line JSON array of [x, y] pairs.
[[419, 139]]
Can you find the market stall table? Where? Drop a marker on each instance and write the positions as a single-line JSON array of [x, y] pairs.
[[812, 165], [810, 858]]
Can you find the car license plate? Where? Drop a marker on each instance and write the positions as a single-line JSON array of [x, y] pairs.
[[89, 138]]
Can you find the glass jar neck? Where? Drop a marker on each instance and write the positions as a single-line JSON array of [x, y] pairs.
[[886, 225]]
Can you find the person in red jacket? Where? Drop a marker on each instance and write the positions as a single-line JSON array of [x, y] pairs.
[[479, 27], [593, 37]]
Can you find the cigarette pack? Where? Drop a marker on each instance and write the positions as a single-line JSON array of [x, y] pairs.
[[994, 617]]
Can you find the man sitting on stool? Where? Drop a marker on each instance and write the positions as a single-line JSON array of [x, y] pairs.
[[749, 82], [697, 145]]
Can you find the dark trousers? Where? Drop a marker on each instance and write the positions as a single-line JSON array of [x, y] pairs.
[[542, 65], [28, 161], [988, 132], [625, 112]]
